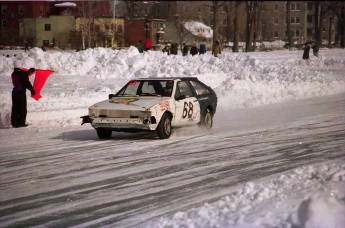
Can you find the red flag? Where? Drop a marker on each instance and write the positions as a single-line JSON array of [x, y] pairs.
[[40, 80]]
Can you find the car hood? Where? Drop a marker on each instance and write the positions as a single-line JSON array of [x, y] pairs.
[[129, 103], [125, 107]]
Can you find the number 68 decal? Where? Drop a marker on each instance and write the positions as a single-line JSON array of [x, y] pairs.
[[187, 110]]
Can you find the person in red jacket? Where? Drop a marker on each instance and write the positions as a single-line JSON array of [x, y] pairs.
[[147, 44], [20, 81]]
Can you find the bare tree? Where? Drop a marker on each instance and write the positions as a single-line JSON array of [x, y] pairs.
[[236, 26], [288, 22], [253, 11], [181, 31], [215, 6]]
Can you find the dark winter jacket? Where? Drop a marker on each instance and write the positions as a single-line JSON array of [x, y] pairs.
[[194, 50], [20, 79]]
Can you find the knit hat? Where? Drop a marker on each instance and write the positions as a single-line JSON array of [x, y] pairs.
[[18, 64]]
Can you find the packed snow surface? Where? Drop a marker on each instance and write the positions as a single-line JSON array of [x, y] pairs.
[[267, 83]]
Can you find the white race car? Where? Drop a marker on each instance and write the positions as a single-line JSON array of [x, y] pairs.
[[154, 104]]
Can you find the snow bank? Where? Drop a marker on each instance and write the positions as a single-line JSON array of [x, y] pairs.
[[239, 79], [323, 186]]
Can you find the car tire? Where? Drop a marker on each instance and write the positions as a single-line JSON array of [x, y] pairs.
[[164, 127], [206, 120], [103, 133]]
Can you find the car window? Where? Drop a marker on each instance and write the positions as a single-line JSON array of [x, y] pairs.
[[200, 89], [183, 89], [147, 88]]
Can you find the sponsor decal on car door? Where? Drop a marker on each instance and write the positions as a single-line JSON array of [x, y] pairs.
[[187, 107]]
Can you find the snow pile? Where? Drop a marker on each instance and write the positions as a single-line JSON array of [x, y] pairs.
[[323, 206], [239, 79]]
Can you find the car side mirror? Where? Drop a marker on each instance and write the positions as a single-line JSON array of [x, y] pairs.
[[111, 95]]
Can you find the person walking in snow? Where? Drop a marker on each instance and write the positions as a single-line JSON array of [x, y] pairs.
[[306, 51], [20, 81], [202, 47], [140, 46]]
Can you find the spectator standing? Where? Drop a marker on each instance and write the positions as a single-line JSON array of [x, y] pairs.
[[217, 49], [20, 81], [148, 44], [185, 49], [140, 46], [173, 49], [315, 48], [26, 45], [194, 50], [202, 47], [306, 50]]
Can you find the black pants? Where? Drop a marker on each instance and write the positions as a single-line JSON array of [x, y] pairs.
[[19, 111]]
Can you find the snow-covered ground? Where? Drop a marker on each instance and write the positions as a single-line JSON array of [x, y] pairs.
[[275, 157]]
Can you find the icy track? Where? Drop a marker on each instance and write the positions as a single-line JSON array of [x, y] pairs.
[[274, 158]]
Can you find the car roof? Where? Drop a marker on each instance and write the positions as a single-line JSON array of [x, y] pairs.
[[169, 78]]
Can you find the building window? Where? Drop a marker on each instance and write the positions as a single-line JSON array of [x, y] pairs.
[[3, 24], [47, 27], [309, 32], [298, 6], [97, 28], [276, 20], [292, 20], [298, 20], [297, 33], [119, 28], [41, 10], [276, 34], [323, 29], [224, 21], [3, 9], [309, 18], [199, 9], [310, 6], [276, 7], [211, 9], [292, 7], [224, 8], [186, 9], [20, 9]]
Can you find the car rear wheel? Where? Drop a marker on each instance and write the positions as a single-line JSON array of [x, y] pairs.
[[206, 120], [103, 133], [164, 127]]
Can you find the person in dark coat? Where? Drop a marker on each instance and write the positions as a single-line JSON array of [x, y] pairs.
[[306, 51], [173, 49], [185, 49], [20, 81], [194, 50]]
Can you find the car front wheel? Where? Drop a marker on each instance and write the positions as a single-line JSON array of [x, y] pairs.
[[206, 120], [103, 133], [164, 127]]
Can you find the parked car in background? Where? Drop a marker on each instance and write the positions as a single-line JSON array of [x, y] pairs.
[[154, 104]]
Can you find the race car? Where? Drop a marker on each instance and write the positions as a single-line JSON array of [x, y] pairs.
[[154, 104]]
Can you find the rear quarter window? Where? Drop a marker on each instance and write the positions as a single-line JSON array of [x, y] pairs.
[[200, 89]]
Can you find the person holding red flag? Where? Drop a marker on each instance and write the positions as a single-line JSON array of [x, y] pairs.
[[21, 82]]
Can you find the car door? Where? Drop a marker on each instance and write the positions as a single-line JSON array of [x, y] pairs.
[[187, 108]]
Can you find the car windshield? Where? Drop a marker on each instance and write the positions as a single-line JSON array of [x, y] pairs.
[[147, 88]]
